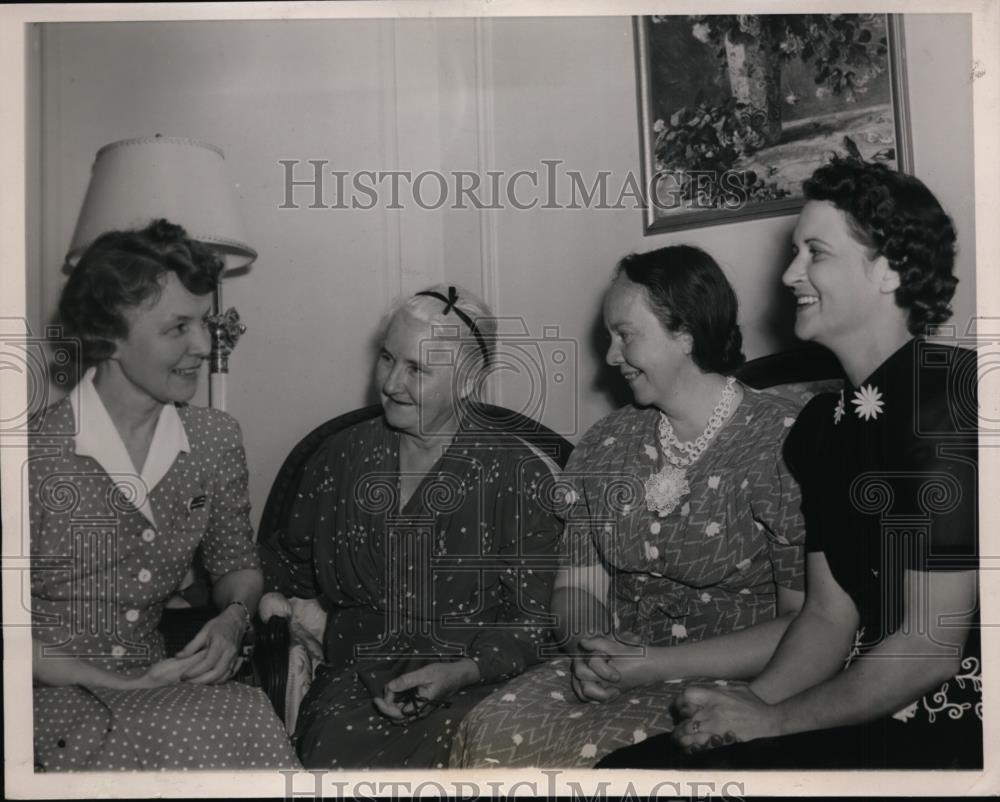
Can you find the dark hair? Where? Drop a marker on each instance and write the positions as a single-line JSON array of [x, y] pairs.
[[898, 217], [688, 292], [122, 270]]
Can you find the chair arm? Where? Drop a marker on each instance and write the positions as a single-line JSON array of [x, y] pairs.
[[290, 647], [270, 658]]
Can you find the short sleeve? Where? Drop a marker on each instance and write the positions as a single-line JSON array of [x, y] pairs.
[[36, 512], [799, 458], [578, 543], [776, 503], [228, 544], [46, 577]]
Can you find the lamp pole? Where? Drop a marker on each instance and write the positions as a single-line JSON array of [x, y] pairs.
[[226, 329]]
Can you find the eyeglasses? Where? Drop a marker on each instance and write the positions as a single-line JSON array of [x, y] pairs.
[[420, 705]]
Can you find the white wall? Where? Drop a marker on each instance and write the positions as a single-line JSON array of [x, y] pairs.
[[360, 94], [417, 95], [581, 108]]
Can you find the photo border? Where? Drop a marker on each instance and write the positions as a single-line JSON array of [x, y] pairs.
[[985, 72]]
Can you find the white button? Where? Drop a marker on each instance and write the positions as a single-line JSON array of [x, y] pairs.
[[132, 616], [148, 535], [144, 575], [117, 651]]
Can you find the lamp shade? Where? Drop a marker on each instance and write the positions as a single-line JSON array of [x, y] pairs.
[[135, 181]]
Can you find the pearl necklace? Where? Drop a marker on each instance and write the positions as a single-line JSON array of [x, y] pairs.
[[666, 487], [691, 451]]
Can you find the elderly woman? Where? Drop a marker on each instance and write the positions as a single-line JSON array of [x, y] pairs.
[[685, 539], [426, 540], [881, 668], [126, 482]]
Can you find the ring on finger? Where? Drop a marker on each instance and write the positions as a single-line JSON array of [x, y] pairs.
[[695, 725]]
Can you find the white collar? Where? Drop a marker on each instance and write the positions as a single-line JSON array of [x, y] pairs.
[[99, 439]]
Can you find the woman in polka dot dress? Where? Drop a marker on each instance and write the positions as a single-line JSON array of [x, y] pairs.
[[429, 542], [684, 541], [126, 483]]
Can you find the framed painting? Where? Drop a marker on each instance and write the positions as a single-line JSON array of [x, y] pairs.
[[736, 111]]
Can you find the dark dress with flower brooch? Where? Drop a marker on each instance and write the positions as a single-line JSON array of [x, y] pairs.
[[889, 483]]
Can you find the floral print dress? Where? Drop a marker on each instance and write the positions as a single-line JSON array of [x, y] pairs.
[[462, 569], [709, 567]]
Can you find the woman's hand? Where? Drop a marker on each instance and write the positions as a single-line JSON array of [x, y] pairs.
[[58, 671], [712, 716], [431, 683], [166, 672], [600, 677], [217, 646]]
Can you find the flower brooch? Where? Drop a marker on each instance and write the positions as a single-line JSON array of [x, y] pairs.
[[867, 401]]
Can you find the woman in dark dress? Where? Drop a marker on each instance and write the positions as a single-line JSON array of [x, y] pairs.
[[429, 544], [881, 668]]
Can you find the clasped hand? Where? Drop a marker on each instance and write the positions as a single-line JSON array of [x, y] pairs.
[[609, 667], [415, 694], [213, 655], [711, 716]]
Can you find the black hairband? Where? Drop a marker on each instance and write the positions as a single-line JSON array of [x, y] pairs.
[[450, 306]]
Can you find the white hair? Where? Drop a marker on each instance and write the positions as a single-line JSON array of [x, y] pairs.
[[428, 309]]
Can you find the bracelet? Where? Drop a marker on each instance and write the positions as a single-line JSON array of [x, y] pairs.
[[246, 613]]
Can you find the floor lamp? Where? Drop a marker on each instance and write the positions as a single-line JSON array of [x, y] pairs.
[[134, 181]]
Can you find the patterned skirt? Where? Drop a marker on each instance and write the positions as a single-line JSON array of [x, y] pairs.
[[340, 728], [176, 727], [536, 720]]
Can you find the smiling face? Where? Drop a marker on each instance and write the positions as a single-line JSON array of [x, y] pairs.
[[650, 358], [841, 291], [418, 398], [167, 340]]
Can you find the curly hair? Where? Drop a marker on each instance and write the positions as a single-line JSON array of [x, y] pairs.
[[896, 216], [688, 291], [123, 270]]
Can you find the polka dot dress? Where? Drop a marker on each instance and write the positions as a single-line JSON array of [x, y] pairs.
[[173, 728], [101, 575]]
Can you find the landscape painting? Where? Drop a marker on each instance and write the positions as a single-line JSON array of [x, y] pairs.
[[736, 111]]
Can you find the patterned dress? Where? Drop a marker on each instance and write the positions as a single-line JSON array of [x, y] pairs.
[[463, 569], [888, 472], [709, 567], [108, 548]]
